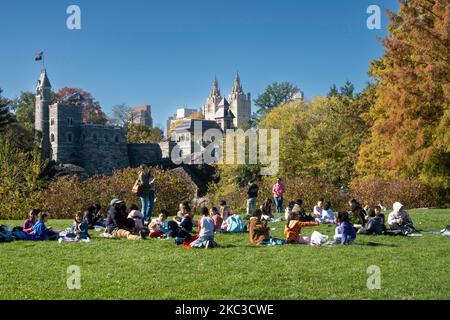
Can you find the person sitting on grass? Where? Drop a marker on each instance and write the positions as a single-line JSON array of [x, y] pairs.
[[259, 232], [400, 221], [358, 217], [41, 231], [160, 227], [317, 211], [375, 224], [224, 210], [92, 216], [30, 221], [78, 231], [288, 210], [345, 232], [117, 225], [181, 230], [25, 231], [303, 215], [217, 218], [137, 217], [327, 214], [266, 210], [206, 233], [293, 228]]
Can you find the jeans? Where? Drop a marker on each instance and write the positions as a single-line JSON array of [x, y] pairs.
[[147, 205], [278, 204], [251, 206]]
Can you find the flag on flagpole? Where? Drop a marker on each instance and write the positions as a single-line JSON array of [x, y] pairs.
[[39, 56]]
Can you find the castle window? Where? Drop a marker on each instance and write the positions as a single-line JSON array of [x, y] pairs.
[[52, 137], [117, 139], [83, 137], [106, 138], [94, 137], [52, 121], [69, 137], [69, 121]]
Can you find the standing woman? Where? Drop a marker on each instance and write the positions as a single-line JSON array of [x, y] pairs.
[[278, 190], [146, 192]]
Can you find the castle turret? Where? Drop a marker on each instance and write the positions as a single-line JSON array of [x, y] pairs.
[[212, 103], [240, 103], [41, 124]]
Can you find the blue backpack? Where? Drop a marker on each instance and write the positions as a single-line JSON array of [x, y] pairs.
[[235, 224]]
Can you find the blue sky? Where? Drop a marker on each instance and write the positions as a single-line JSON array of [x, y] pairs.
[[166, 53]]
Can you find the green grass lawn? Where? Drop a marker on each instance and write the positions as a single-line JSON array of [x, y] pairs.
[[411, 267]]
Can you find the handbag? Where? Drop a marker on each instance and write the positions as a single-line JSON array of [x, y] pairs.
[[136, 187]]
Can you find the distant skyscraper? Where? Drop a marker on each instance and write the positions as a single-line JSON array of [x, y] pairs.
[[142, 115]]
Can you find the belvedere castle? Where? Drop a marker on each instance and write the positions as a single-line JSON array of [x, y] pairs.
[[96, 148]]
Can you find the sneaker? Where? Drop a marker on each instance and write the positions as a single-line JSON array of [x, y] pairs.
[[208, 244], [142, 234]]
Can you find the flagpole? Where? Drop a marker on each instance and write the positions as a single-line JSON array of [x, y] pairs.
[[43, 61]]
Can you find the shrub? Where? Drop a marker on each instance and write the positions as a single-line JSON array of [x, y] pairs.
[[309, 190], [20, 176], [66, 195], [411, 193]]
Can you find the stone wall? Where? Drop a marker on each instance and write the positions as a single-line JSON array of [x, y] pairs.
[[102, 148], [148, 153]]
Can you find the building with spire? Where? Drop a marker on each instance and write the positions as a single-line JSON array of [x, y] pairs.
[[238, 104]]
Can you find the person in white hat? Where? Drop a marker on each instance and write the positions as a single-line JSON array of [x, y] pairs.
[[116, 222], [399, 219]]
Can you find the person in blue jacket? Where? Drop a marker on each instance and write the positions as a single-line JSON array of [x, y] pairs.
[[41, 232], [345, 233]]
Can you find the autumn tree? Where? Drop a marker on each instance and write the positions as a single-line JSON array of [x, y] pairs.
[[142, 134], [410, 135], [92, 111]]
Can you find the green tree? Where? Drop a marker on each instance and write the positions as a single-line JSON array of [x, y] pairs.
[[24, 107], [142, 134], [275, 94], [5, 115], [20, 175]]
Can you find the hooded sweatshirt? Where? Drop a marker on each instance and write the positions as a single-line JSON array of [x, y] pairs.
[[399, 213], [258, 231]]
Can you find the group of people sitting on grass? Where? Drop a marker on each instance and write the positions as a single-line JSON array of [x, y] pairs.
[[129, 223]]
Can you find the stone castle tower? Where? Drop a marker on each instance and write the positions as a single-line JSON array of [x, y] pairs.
[[97, 148], [41, 122], [238, 103]]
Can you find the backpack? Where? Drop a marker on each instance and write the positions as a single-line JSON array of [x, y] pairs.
[[235, 224], [5, 234]]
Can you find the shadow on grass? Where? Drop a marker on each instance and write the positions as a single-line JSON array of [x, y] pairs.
[[375, 244]]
